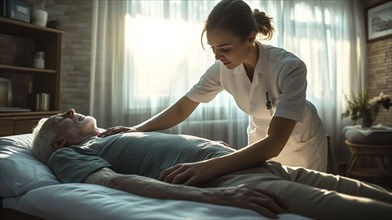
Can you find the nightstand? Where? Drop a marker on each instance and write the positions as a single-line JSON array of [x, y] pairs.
[[374, 147]]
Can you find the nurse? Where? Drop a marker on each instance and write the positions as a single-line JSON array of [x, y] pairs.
[[267, 83]]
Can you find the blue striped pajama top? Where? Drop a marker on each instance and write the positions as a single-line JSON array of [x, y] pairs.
[[140, 153]]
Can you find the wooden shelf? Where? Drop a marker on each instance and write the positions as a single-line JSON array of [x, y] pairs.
[[32, 113], [21, 40], [18, 28], [25, 69]]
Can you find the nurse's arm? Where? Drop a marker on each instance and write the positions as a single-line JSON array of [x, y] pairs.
[[169, 117], [254, 154]]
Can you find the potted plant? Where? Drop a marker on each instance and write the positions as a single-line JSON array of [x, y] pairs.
[[361, 107]]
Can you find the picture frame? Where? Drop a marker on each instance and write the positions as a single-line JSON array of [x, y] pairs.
[[379, 21]]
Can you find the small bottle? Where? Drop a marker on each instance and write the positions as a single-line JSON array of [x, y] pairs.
[[39, 59]]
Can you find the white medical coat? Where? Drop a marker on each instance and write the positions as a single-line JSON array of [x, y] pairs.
[[283, 76]]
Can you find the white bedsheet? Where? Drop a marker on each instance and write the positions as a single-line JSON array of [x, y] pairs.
[[87, 201]]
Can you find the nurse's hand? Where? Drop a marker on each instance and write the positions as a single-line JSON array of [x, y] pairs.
[[190, 173], [116, 130]]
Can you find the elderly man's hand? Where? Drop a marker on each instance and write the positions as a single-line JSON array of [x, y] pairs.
[[116, 130], [263, 202]]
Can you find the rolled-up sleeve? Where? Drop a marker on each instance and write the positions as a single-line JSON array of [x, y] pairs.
[[292, 83], [208, 86], [74, 165]]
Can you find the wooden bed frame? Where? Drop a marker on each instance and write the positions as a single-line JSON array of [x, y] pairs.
[[10, 214]]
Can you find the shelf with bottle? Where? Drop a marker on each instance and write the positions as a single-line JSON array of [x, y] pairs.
[[22, 42], [32, 84], [22, 69], [18, 28]]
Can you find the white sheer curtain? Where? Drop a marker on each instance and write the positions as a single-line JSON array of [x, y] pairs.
[[147, 54]]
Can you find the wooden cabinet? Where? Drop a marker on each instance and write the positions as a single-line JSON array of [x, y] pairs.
[[18, 42]]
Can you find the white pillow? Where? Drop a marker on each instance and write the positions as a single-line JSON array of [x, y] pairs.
[[20, 170]]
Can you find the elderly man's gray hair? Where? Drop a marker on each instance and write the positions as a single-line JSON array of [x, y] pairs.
[[43, 140]]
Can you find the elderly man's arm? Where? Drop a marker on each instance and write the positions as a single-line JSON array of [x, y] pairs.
[[242, 196]]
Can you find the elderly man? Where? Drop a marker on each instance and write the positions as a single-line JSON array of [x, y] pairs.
[[137, 162]]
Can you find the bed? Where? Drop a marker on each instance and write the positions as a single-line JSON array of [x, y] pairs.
[[29, 189]]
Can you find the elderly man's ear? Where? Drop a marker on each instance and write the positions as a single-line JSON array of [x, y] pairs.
[[59, 143]]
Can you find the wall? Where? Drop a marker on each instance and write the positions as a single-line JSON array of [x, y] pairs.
[[379, 54], [75, 17]]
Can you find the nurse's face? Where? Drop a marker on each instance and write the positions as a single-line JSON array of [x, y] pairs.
[[228, 49]]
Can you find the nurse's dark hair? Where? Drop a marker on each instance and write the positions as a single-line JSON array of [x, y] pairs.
[[236, 17]]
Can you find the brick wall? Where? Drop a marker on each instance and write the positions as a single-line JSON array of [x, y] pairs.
[[75, 18], [379, 54]]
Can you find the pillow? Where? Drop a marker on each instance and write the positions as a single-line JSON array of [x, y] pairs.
[[20, 170]]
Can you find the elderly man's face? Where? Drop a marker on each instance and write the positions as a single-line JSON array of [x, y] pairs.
[[72, 127]]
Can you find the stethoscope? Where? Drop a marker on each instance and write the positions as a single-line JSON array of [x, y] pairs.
[[268, 104]]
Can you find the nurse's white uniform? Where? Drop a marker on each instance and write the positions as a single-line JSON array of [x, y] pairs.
[[283, 76]]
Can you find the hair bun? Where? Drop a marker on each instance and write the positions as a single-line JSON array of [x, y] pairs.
[[264, 23]]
